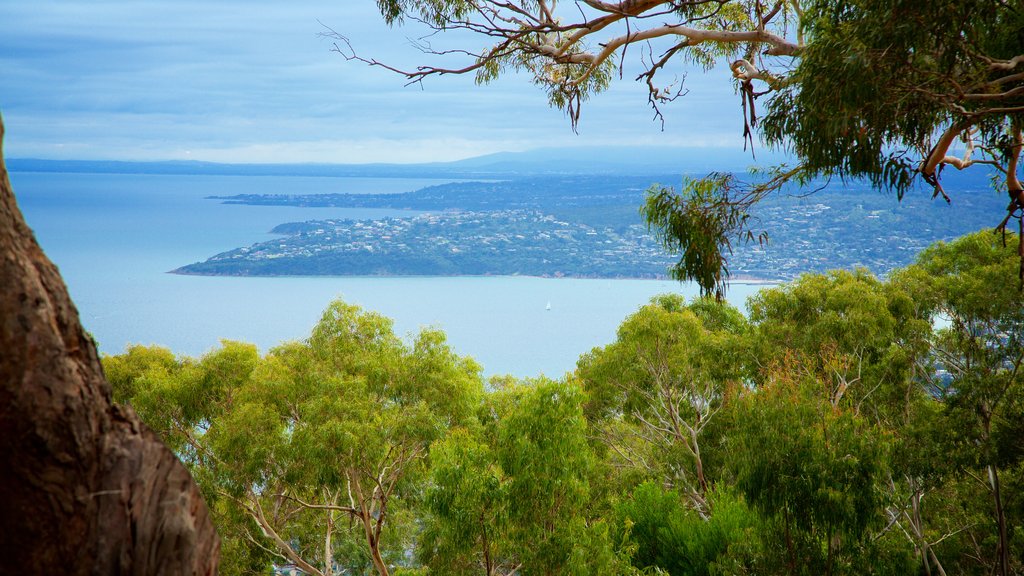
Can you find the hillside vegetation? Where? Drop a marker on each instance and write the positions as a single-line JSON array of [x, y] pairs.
[[844, 425]]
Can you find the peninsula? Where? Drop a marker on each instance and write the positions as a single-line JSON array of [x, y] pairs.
[[589, 227]]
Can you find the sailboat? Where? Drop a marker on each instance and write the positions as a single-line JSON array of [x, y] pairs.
[[549, 306]]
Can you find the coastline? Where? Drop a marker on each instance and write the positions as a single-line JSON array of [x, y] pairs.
[[743, 281]]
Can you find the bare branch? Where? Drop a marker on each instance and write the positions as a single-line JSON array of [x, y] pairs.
[[255, 511], [939, 153], [1006, 64], [779, 46], [347, 509]]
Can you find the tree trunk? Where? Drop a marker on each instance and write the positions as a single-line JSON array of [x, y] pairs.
[[86, 488], [373, 542], [1003, 548]]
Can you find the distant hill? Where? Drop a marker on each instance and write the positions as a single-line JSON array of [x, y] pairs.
[[617, 160], [544, 161], [589, 226]]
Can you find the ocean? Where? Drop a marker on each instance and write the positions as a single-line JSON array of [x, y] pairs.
[[116, 236]]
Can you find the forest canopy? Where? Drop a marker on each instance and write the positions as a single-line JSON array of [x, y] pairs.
[[836, 428]]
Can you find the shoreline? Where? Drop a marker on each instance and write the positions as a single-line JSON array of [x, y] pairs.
[[744, 281]]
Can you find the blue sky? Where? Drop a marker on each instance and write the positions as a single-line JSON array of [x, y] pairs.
[[234, 81]]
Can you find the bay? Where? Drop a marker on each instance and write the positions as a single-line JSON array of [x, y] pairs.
[[115, 237]]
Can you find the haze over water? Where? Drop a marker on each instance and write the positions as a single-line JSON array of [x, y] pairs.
[[115, 237]]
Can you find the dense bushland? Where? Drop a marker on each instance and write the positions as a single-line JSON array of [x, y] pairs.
[[845, 425]]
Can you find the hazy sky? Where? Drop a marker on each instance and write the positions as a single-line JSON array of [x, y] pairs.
[[251, 81]]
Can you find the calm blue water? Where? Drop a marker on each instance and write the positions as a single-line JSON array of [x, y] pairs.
[[115, 236]]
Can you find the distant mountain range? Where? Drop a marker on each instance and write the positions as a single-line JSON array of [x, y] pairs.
[[579, 160]]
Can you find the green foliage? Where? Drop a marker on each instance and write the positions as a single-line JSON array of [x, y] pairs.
[[289, 445], [516, 493], [123, 370], [813, 462], [835, 432], [542, 447], [700, 223], [466, 524], [716, 316], [654, 396], [971, 277], [352, 342], [436, 12], [813, 472], [673, 538], [970, 286], [666, 346], [879, 77], [861, 338]]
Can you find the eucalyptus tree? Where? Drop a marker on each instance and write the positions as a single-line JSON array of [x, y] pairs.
[[87, 488], [879, 89], [466, 525], [514, 496], [669, 536], [864, 338], [654, 393], [979, 353], [311, 454], [867, 345], [888, 89], [814, 472]]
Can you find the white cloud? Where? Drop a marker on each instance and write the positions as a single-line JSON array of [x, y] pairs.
[[251, 82]]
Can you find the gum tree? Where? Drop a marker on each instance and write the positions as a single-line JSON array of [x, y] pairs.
[[654, 393], [312, 453], [87, 487], [814, 472], [980, 352], [517, 495], [865, 343]]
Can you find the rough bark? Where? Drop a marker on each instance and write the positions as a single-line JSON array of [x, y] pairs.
[[86, 488]]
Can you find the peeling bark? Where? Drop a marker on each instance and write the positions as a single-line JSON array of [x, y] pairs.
[[86, 488]]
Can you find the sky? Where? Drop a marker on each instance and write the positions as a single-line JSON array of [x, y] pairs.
[[254, 81]]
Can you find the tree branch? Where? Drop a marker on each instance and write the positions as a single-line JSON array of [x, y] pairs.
[[255, 510]]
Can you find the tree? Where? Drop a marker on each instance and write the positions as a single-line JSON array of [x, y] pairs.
[[311, 454], [671, 536], [866, 343], [466, 520], [814, 470], [855, 88], [799, 412], [886, 89], [882, 78], [87, 488], [860, 335], [515, 496], [655, 391], [980, 353]]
